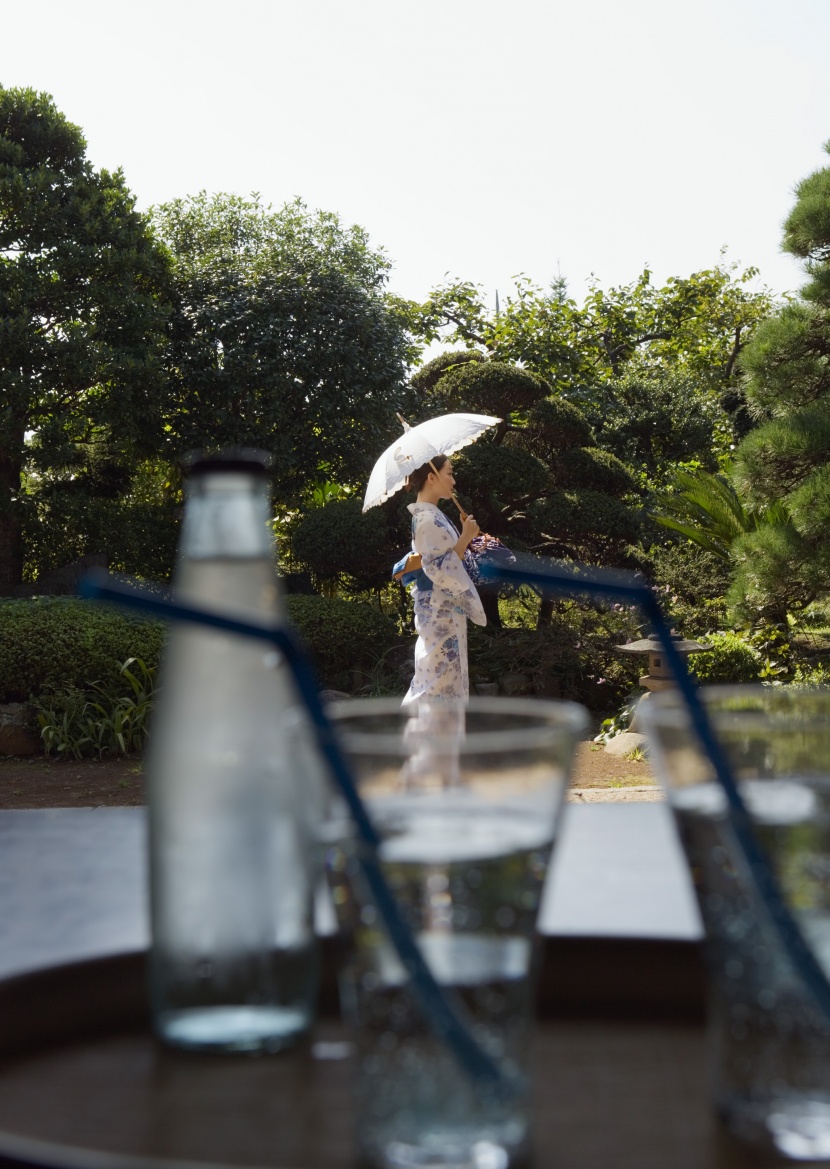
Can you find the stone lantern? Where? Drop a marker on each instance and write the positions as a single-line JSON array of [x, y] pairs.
[[659, 677]]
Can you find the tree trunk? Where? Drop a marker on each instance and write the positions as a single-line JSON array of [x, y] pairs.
[[11, 538], [490, 605], [545, 613]]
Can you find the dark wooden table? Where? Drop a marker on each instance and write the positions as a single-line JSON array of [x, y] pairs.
[[619, 1056]]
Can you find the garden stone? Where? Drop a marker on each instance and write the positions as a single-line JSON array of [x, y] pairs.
[[634, 723], [327, 696], [487, 689], [16, 736], [400, 656], [624, 743]]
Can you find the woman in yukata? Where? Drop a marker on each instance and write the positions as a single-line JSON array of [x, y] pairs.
[[443, 593]]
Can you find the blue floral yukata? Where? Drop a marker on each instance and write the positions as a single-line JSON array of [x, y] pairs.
[[441, 611]]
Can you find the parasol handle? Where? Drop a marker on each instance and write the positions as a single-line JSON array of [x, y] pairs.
[[461, 510]]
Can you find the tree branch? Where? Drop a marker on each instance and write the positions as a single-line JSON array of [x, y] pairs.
[[614, 352], [462, 328], [736, 349], [523, 502], [611, 353]]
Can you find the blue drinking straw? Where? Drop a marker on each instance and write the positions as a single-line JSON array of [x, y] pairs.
[[546, 576], [443, 1014]]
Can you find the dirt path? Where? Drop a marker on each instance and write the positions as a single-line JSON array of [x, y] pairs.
[[41, 783]]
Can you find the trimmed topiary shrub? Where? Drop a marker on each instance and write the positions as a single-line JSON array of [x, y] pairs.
[[731, 659], [485, 387], [430, 374], [593, 469], [542, 448], [495, 479], [586, 514], [553, 425]]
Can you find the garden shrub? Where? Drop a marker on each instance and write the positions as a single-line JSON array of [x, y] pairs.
[[731, 659], [573, 657], [496, 478], [692, 572], [343, 636], [583, 514], [338, 541], [553, 426], [691, 584], [54, 643]]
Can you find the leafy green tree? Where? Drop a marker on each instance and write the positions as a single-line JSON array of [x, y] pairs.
[[84, 305], [787, 457], [691, 329], [653, 419], [283, 338], [537, 481], [700, 323]]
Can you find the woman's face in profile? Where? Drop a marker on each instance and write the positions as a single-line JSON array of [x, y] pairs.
[[446, 480]]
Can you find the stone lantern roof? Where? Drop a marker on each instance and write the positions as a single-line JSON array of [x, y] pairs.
[[652, 644]]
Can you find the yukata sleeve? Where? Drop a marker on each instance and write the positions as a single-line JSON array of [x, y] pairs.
[[435, 544]]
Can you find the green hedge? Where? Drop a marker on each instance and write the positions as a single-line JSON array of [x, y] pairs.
[[342, 635], [49, 643]]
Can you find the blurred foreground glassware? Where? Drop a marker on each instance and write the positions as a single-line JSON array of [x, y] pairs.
[[770, 1040], [233, 962], [466, 803]]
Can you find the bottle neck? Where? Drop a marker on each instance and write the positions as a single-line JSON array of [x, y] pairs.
[[226, 517]]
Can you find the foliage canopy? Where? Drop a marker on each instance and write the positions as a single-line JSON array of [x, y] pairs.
[[84, 304], [283, 338]]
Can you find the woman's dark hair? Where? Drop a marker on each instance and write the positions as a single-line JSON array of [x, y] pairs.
[[418, 478]]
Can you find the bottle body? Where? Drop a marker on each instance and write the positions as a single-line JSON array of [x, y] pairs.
[[233, 961]]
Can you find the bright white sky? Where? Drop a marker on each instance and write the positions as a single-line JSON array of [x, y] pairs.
[[470, 137]]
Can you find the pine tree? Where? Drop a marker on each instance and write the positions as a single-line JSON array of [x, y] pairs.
[[787, 457]]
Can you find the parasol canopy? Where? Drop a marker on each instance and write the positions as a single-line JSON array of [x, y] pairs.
[[417, 445]]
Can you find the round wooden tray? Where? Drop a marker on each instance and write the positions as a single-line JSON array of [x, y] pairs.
[[84, 1086]]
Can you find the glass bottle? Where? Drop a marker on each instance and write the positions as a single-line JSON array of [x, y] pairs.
[[233, 961]]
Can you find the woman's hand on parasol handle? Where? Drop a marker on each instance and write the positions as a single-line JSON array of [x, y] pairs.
[[469, 531]]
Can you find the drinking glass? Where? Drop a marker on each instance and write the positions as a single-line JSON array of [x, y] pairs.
[[466, 801], [769, 1037]]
